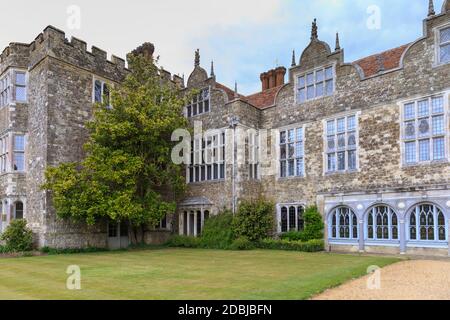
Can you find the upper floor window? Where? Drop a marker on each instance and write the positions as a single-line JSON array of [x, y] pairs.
[[20, 85], [316, 84], [3, 153], [5, 90], [207, 158], [424, 130], [444, 45], [200, 103], [101, 92], [292, 153], [341, 144], [19, 153], [253, 154]]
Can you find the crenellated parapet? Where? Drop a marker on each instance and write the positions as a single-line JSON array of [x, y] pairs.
[[15, 55]]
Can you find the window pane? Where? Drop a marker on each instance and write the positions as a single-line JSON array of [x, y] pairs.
[[445, 35], [352, 160], [302, 95], [19, 161], [283, 137], [299, 134], [310, 79], [330, 127], [424, 127], [424, 150], [299, 167], [291, 135], [301, 82], [438, 105], [341, 161], [283, 169], [310, 92], [319, 76], [19, 143], [299, 149], [445, 53], [438, 149], [332, 162], [351, 123], [319, 89], [423, 108], [331, 143], [329, 73], [21, 94], [410, 129], [329, 88], [438, 125], [410, 112], [20, 79], [98, 91], [341, 125], [410, 152], [291, 168]]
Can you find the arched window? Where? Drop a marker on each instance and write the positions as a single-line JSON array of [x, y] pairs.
[[427, 223], [344, 224], [18, 210], [382, 224], [291, 218]]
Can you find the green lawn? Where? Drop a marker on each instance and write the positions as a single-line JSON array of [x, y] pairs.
[[182, 274]]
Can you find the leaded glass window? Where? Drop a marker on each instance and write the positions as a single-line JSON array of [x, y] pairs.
[[382, 224], [291, 153], [444, 45], [341, 144], [200, 103], [291, 218], [424, 130], [315, 84], [427, 223], [344, 224]]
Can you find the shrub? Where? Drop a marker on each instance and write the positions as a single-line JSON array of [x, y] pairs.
[[309, 246], [217, 232], [183, 242], [254, 220], [18, 237], [55, 251], [242, 243], [292, 236], [313, 225]]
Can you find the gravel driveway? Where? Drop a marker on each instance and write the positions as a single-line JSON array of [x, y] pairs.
[[408, 280]]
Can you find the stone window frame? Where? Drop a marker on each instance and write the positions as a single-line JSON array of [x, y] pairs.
[[205, 150], [326, 152], [391, 226], [304, 74], [252, 142], [21, 152], [104, 83], [415, 209], [288, 206], [18, 85], [334, 229], [4, 153], [286, 129], [5, 89], [199, 100], [404, 139], [165, 223], [438, 44]]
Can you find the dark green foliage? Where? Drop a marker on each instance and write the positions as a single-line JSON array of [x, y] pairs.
[[218, 231], [242, 243], [183, 242], [254, 220], [310, 246], [313, 225], [292, 236], [54, 251], [18, 237]]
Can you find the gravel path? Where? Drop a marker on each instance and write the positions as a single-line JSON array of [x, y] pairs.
[[408, 280]]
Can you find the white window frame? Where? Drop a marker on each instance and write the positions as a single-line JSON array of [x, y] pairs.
[[103, 82], [390, 213], [296, 205], [351, 225], [404, 139], [295, 158], [415, 210], [438, 44], [314, 71], [326, 151], [208, 151], [200, 100]]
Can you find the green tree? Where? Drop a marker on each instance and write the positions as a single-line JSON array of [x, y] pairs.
[[254, 220], [313, 224], [128, 173]]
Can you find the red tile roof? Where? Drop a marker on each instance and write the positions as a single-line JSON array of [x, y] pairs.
[[383, 61], [228, 91], [263, 99]]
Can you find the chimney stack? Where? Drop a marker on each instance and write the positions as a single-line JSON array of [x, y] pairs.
[[273, 78]]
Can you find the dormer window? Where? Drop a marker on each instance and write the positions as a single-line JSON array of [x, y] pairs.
[[315, 84], [200, 103], [444, 45]]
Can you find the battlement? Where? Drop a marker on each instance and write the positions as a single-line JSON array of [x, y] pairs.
[[175, 79]]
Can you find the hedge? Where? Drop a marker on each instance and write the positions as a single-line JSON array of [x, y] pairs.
[[309, 246]]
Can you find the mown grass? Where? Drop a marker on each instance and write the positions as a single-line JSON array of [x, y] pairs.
[[182, 274]]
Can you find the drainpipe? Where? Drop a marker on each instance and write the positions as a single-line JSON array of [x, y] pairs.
[[233, 123]]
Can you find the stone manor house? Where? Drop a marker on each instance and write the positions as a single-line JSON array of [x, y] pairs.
[[367, 141]]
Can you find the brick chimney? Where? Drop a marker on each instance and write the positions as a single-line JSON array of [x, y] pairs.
[[273, 78]]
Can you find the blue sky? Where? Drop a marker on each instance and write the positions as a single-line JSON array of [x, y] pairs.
[[244, 37]]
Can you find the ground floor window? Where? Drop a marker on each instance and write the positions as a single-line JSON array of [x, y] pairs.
[[427, 223], [382, 224], [18, 210], [291, 218], [344, 224]]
